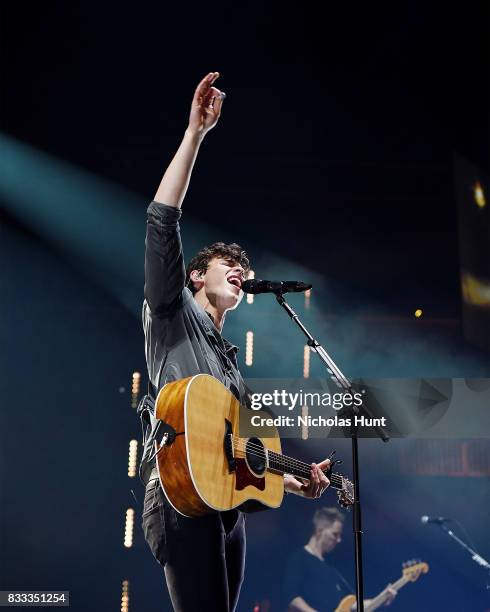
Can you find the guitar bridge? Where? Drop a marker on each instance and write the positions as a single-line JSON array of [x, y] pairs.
[[228, 446]]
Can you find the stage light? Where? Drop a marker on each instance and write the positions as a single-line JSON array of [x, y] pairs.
[[125, 596], [250, 297], [476, 291], [129, 528], [135, 389], [249, 348], [307, 298], [479, 195], [306, 362], [136, 379], [418, 313], [304, 428], [133, 458], [68, 207]]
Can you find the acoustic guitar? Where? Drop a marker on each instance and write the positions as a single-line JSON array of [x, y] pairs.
[[411, 572], [205, 466]]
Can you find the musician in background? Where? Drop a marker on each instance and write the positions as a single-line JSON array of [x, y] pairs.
[[312, 584], [183, 316]]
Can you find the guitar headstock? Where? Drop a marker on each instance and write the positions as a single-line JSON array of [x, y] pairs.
[[413, 568], [345, 488], [346, 493]]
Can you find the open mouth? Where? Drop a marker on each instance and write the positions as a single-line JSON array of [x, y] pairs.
[[236, 281]]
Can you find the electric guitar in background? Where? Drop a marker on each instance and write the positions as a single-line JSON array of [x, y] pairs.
[[205, 466], [411, 572]]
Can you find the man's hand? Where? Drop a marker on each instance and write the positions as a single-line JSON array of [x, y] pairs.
[[206, 106], [317, 485], [205, 112], [390, 591]]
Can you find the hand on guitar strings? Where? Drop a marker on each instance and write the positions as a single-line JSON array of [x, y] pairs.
[[391, 594], [315, 487]]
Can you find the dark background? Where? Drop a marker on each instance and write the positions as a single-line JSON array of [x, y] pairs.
[[350, 115], [333, 159]]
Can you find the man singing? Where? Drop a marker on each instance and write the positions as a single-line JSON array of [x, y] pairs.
[[183, 316]]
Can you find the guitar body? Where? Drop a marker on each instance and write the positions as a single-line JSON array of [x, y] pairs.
[[201, 471], [346, 604]]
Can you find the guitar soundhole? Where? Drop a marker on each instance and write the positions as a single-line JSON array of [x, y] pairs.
[[255, 454]]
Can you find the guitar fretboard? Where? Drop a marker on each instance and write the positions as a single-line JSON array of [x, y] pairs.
[[288, 465]]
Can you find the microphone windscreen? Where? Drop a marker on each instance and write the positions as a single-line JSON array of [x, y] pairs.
[[252, 286], [296, 286]]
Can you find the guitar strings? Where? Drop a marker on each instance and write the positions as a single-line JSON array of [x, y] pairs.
[[336, 480], [279, 457], [282, 459], [288, 461], [260, 451]]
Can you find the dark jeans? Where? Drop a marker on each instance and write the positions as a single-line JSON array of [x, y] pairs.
[[203, 558]]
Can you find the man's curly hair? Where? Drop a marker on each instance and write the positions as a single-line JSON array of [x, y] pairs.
[[232, 252]]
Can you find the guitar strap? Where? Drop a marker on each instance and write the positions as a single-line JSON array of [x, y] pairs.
[[146, 413], [151, 391]]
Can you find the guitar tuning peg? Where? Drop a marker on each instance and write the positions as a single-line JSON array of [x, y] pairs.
[[331, 454]]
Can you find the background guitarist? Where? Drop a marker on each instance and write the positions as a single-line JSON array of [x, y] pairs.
[[311, 583], [183, 315]]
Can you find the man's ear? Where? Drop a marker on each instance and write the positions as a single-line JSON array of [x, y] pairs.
[[196, 276]]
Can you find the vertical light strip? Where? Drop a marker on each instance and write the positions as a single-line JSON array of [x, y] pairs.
[[250, 297], [128, 528], [307, 298], [133, 458], [249, 348], [304, 428], [306, 362], [479, 195], [125, 596], [135, 389]]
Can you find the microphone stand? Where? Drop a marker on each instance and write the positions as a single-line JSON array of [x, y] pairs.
[[474, 555], [342, 381]]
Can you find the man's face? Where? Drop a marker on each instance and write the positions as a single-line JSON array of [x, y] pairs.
[[330, 536], [222, 283]]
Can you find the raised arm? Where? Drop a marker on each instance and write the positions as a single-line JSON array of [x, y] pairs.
[[164, 261], [204, 115]]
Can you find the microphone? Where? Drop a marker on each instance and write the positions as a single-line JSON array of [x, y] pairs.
[[437, 520], [265, 286]]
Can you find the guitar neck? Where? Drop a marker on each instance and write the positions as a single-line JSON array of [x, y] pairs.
[[380, 599], [288, 465]]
